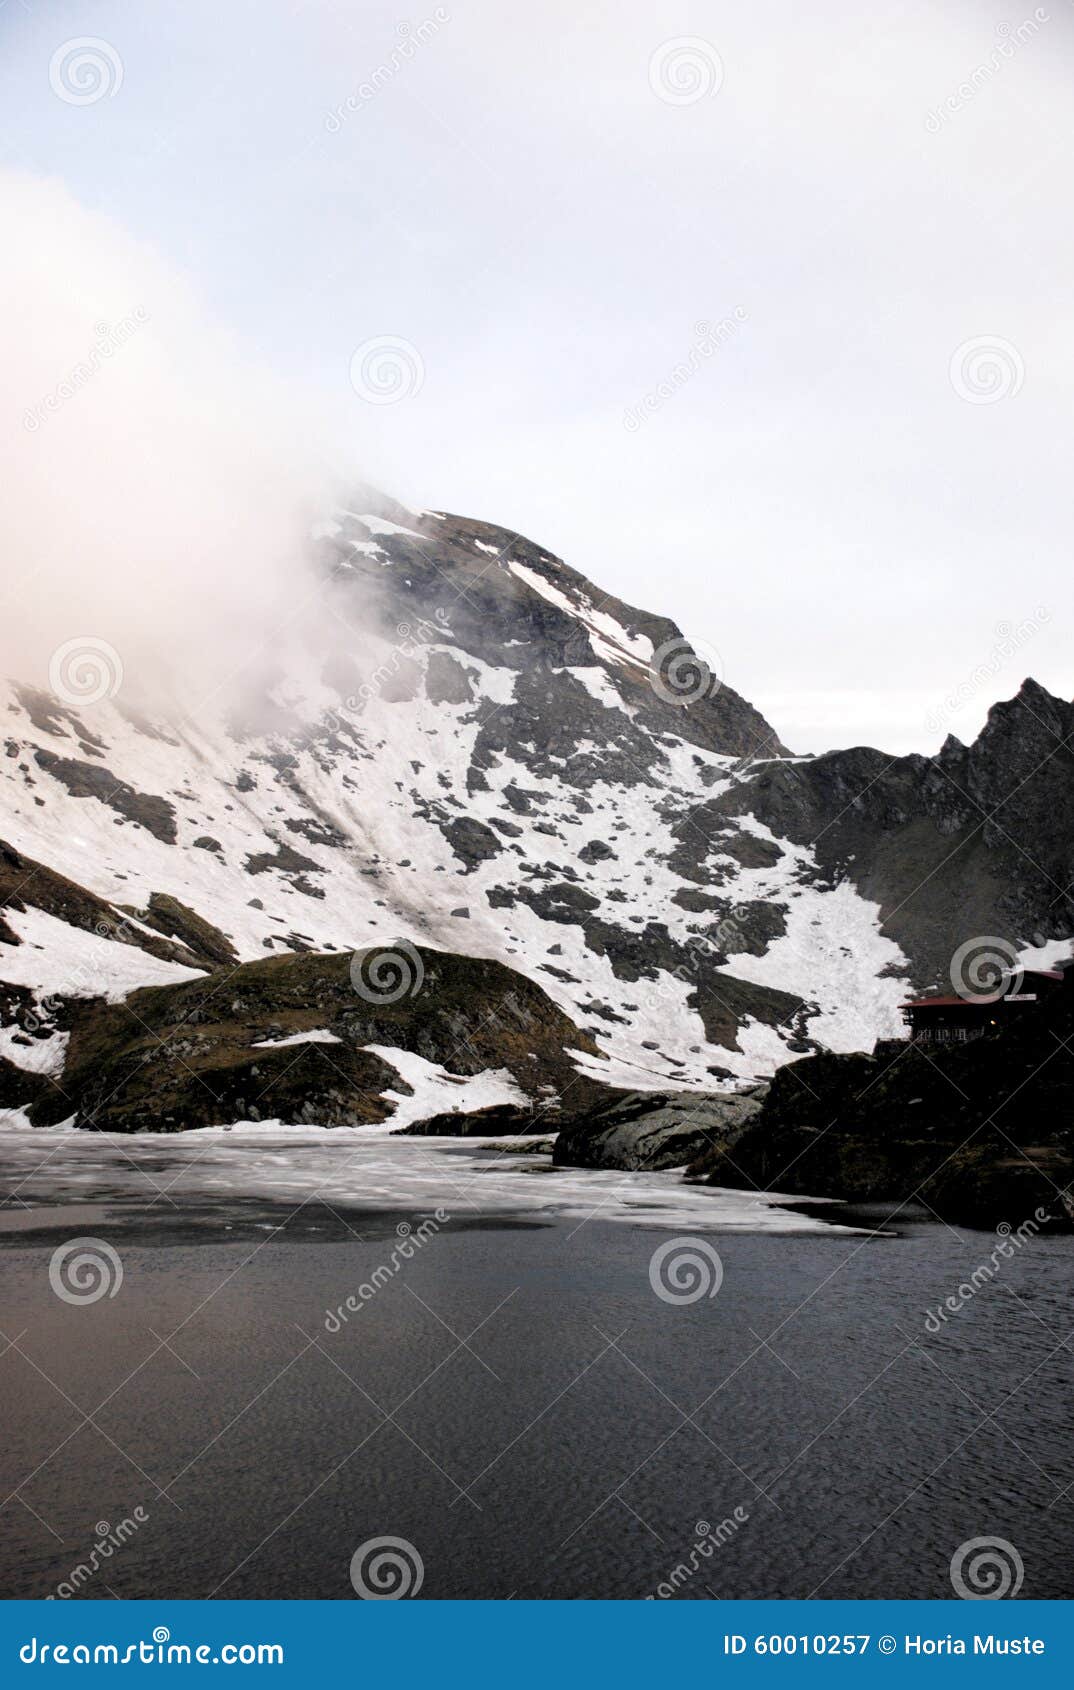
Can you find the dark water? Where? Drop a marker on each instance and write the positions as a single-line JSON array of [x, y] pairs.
[[515, 1401]]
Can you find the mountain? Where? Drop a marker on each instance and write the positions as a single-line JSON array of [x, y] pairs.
[[499, 763], [977, 841]]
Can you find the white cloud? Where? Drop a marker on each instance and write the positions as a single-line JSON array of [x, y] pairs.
[[158, 488]]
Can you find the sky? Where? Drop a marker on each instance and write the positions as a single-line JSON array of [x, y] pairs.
[[757, 315]]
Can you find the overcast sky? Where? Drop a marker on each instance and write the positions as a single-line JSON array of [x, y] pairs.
[[758, 314]]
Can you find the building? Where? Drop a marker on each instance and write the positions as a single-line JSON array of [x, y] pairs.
[[955, 1020]]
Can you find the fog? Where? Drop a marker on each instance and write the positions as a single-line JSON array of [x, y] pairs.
[[159, 486]]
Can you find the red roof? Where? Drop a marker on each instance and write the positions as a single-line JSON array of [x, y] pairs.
[[941, 1003], [1027, 977]]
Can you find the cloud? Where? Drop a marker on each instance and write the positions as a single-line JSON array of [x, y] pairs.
[[160, 487]]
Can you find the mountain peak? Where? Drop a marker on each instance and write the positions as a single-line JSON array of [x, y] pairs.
[[507, 764], [510, 602]]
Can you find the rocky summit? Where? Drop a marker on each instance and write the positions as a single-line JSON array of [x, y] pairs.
[[512, 789]]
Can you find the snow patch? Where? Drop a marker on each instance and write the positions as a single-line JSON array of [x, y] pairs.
[[1048, 955], [318, 1036], [609, 639], [832, 954], [598, 684], [39, 1056], [437, 1092], [58, 960], [381, 525], [15, 1120]]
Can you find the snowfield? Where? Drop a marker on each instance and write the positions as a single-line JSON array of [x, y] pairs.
[[390, 811]]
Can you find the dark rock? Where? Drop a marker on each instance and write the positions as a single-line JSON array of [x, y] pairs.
[[446, 681], [176, 920], [979, 1132], [316, 831], [19, 1087], [471, 841], [285, 858], [479, 1123], [597, 851], [93, 780], [648, 1130]]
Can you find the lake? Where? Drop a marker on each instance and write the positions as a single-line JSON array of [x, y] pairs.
[[287, 1344]]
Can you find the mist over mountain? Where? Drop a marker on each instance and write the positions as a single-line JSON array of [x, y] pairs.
[[160, 483], [499, 761]]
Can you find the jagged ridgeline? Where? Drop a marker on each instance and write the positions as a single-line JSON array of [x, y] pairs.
[[513, 772]]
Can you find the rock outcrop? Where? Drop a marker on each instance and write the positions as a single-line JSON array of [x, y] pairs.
[[979, 1133], [328, 1040], [976, 840], [650, 1130]]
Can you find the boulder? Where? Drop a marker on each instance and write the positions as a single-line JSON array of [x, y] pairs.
[[648, 1130]]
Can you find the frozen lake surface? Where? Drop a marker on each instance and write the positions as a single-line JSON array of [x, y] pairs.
[[298, 1342]]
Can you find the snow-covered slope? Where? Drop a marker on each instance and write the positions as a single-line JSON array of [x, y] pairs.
[[502, 762]]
